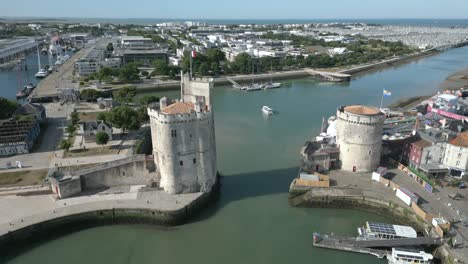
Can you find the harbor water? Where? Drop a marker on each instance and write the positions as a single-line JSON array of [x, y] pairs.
[[258, 156]]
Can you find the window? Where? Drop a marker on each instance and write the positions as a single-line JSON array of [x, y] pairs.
[[194, 161], [181, 163], [103, 128], [459, 155], [173, 133], [458, 163]]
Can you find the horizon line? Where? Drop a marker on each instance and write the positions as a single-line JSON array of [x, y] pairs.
[[258, 19]]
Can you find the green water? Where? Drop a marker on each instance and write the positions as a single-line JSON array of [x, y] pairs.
[[253, 223]]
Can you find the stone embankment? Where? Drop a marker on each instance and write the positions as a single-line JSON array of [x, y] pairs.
[[158, 209], [353, 198]]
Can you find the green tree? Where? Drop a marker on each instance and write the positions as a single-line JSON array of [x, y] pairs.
[[71, 129], [64, 144], [160, 68], [110, 47], [7, 108], [215, 55], [75, 118], [125, 118], [102, 138], [129, 72], [89, 95], [124, 95], [142, 115], [204, 68], [147, 99], [104, 116], [242, 63]]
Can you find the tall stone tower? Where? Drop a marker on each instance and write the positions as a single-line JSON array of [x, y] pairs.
[[183, 138], [359, 137]]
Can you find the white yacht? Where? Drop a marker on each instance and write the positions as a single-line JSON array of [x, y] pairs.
[[252, 87], [42, 73], [267, 110], [272, 85], [408, 256]]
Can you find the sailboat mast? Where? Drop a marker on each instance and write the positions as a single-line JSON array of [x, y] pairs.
[[38, 58]]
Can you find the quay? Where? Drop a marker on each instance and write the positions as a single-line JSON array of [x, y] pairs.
[[49, 88]]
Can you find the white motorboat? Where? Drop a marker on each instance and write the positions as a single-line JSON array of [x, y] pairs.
[[42, 73], [267, 110]]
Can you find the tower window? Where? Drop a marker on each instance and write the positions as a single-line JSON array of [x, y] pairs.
[[194, 161], [181, 163], [173, 133]]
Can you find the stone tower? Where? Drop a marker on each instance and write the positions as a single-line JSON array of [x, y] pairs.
[[359, 137], [183, 138]]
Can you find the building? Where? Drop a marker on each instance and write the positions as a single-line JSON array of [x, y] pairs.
[[359, 137], [145, 57], [320, 156], [29, 109], [416, 152], [136, 42], [456, 155], [95, 60], [18, 137], [183, 138], [90, 129]]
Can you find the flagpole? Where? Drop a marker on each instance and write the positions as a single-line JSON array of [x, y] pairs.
[[191, 58], [381, 101]]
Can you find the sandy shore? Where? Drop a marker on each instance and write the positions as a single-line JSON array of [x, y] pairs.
[[456, 81]]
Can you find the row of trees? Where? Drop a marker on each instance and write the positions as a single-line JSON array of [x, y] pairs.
[[7, 107], [127, 73]]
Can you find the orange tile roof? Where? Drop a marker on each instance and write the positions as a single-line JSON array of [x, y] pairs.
[[361, 110], [179, 108], [461, 140]]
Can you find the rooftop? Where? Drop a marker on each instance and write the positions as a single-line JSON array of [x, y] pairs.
[[461, 140], [179, 108], [361, 110], [422, 143]]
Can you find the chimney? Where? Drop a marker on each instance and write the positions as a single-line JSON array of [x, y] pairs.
[[163, 102]]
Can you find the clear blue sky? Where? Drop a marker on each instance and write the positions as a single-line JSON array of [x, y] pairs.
[[250, 9]]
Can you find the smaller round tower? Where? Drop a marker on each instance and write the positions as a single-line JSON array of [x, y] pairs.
[[359, 137]]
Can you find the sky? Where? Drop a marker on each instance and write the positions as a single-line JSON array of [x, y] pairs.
[[237, 9]]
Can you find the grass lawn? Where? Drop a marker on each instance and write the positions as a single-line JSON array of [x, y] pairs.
[[22, 178], [88, 116], [91, 152]]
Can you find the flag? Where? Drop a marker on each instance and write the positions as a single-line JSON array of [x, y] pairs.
[[387, 93], [194, 54]]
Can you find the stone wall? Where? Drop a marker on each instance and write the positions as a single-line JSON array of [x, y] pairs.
[[133, 172], [66, 187], [360, 140]]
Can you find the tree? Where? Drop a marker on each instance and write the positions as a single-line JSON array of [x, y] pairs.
[[64, 144], [75, 118], [102, 138], [7, 108], [129, 72], [124, 95], [125, 118], [110, 47], [104, 116], [242, 63], [148, 99], [71, 129], [144, 73], [160, 68], [89, 95], [204, 68]]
